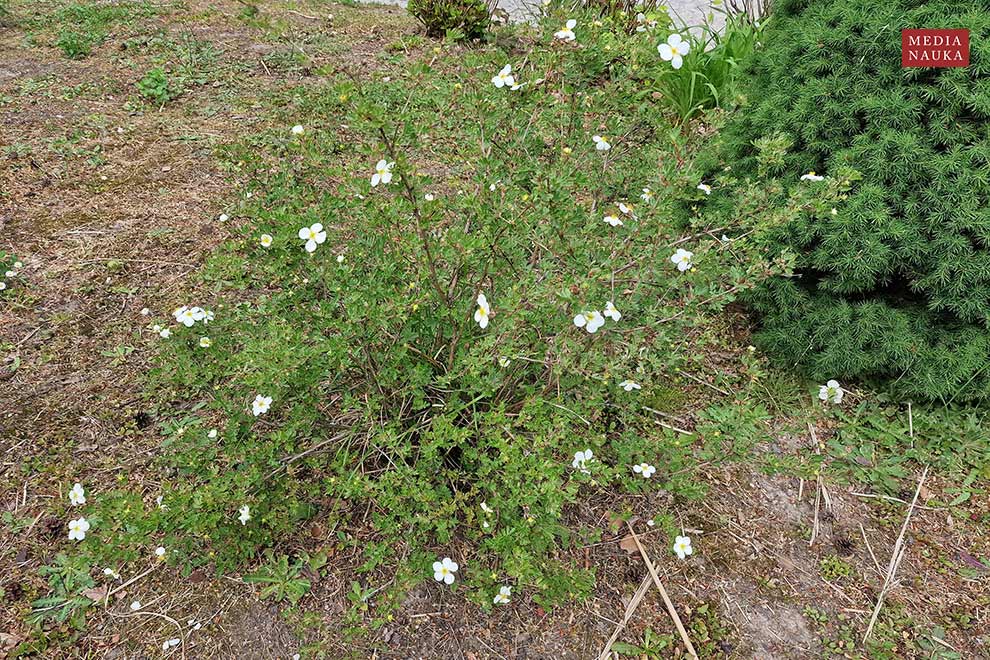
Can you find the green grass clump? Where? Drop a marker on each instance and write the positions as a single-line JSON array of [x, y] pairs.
[[892, 249], [469, 18], [85, 25]]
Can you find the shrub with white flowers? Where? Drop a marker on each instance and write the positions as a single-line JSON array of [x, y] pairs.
[[473, 366]]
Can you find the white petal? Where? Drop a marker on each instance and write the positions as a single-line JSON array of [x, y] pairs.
[[676, 62], [665, 52]]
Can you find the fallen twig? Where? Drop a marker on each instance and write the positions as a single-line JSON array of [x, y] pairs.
[[895, 558], [630, 609], [821, 493], [663, 593]]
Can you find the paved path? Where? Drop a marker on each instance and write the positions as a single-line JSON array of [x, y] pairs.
[[690, 12]]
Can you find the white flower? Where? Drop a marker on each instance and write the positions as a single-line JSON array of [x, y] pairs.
[[383, 173], [165, 333], [482, 313], [160, 552], [223, 217], [612, 219], [648, 195], [78, 529], [831, 391], [298, 129], [673, 50], [266, 240], [160, 501], [626, 209], [835, 211], [629, 385], [429, 197], [504, 77], [590, 321], [487, 509], [611, 311], [443, 571], [144, 310], [811, 176], [644, 469], [77, 495], [581, 460], [212, 434], [502, 597], [340, 258], [601, 143], [3, 285], [260, 405], [682, 258], [503, 361], [109, 572], [205, 342], [566, 33], [682, 546], [313, 235], [187, 316], [245, 512], [705, 188], [650, 522], [208, 316], [135, 605], [171, 643]]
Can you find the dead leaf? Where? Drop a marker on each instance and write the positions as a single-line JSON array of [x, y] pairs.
[[96, 594], [628, 543]]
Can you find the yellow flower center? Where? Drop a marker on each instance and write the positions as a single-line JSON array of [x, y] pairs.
[[482, 311], [673, 50]]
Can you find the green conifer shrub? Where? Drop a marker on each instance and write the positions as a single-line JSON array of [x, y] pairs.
[[895, 282]]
